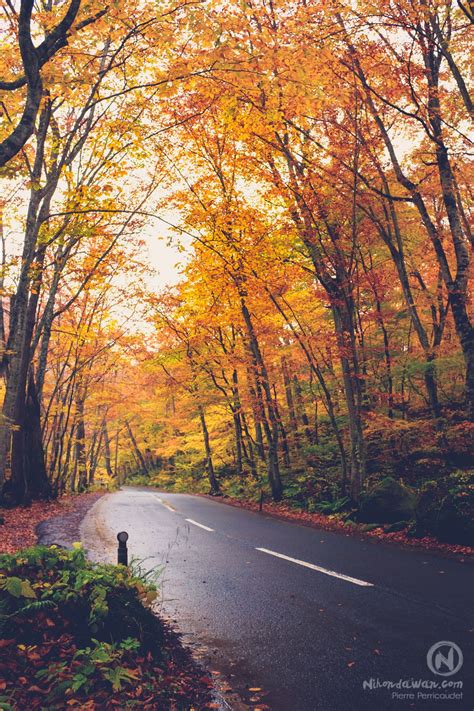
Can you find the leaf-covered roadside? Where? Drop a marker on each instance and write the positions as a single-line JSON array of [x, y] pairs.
[[335, 523], [80, 635], [20, 523]]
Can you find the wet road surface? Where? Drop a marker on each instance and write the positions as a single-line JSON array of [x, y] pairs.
[[317, 620]]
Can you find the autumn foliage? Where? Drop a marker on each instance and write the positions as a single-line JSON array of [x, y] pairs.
[[312, 162]]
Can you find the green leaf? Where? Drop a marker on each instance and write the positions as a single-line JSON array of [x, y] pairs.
[[13, 586], [26, 589]]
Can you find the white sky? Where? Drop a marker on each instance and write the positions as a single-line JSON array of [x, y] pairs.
[[163, 255], [164, 259]]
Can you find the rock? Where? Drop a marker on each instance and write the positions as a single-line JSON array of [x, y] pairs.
[[371, 526], [427, 509], [395, 527], [456, 518], [446, 509], [388, 502]]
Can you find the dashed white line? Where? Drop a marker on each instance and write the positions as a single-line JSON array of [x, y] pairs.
[[318, 568], [201, 525], [163, 503]]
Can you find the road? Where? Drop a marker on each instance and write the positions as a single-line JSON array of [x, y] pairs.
[[306, 615]]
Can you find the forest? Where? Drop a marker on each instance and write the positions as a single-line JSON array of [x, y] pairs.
[[310, 162]]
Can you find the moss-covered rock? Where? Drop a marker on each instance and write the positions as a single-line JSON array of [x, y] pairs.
[[396, 527], [456, 518], [367, 527], [388, 502], [428, 506], [446, 509]]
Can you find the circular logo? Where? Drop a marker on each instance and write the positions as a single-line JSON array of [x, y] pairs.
[[444, 658]]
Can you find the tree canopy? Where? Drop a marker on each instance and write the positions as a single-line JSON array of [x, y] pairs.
[[312, 161]]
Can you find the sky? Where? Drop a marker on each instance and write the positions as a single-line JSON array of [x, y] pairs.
[[164, 256], [164, 259]]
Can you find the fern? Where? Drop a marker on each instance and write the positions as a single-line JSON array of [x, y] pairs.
[[331, 507], [36, 606]]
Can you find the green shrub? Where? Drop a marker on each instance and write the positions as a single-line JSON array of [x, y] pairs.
[[74, 632], [103, 602]]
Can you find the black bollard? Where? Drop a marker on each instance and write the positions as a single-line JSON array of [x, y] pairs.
[[260, 506], [122, 553]]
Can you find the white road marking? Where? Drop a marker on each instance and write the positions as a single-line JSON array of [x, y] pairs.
[[201, 525], [163, 503], [318, 568]]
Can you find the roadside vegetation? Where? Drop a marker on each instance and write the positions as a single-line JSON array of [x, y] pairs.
[[80, 635]]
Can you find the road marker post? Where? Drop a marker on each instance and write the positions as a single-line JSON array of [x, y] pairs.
[[122, 552]]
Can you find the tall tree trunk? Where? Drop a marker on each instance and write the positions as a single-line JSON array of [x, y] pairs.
[[328, 401], [107, 456], [80, 446], [257, 413], [249, 448], [116, 454], [215, 490], [238, 442], [388, 358], [36, 478], [300, 408], [270, 425], [237, 417], [290, 402], [136, 451], [22, 320], [284, 438], [95, 454], [393, 239], [343, 323]]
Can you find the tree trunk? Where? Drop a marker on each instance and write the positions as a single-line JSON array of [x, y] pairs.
[[290, 402], [107, 456], [36, 478], [346, 341], [301, 409], [270, 425], [215, 490], [284, 438], [80, 447], [138, 455]]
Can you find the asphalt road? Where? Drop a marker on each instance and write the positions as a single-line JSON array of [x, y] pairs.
[[308, 616]]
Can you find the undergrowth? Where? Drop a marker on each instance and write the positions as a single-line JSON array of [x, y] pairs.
[[77, 633]]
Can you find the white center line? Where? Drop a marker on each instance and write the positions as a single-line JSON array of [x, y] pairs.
[[201, 525], [318, 568], [163, 503]]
